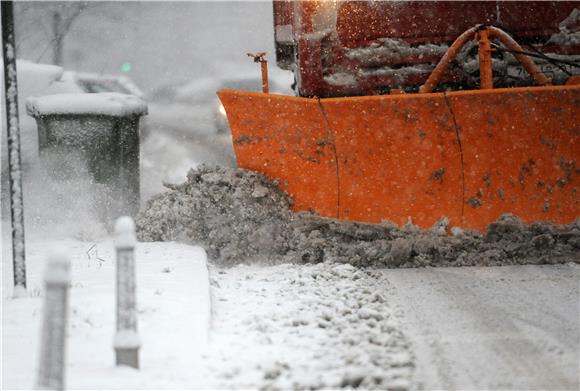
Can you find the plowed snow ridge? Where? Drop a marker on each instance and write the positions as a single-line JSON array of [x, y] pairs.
[[239, 215]]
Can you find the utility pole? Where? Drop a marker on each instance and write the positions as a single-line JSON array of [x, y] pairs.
[[14, 160]]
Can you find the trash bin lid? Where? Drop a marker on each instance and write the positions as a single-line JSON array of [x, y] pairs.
[[110, 104]]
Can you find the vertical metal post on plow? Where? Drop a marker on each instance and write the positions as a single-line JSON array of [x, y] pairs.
[[14, 160]]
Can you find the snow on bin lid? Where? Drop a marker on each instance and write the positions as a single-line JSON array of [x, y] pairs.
[[110, 103]]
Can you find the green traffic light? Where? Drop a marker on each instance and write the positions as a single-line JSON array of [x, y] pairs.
[[126, 67]]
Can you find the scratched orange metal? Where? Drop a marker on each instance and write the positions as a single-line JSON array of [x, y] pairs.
[[285, 138], [398, 158], [521, 151], [469, 155]]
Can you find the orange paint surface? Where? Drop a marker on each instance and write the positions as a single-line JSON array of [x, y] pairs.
[[521, 150], [285, 138], [468, 155]]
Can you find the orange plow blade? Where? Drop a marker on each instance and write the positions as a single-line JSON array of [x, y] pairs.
[[469, 155]]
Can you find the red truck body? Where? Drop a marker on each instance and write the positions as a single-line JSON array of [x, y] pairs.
[[345, 48]]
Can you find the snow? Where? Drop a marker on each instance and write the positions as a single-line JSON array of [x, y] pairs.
[[303, 327], [57, 266], [33, 80], [109, 103], [127, 339], [510, 327], [388, 50], [39, 76], [286, 326], [340, 79], [173, 309], [276, 327], [284, 34], [125, 232], [569, 34]]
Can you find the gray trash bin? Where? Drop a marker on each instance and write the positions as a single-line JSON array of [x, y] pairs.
[[102, 130]]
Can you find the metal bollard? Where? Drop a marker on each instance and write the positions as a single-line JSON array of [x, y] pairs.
[[127, 341], [51, 369]]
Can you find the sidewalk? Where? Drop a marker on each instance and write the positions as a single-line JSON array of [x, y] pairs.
[[174, 314]]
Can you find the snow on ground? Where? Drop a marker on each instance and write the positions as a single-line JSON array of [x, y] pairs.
[[510, 327], [291, 326], [285, 326], [305, 327], [173, 306]]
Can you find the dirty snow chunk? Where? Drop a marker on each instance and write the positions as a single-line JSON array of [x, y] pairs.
[[241, 216], [111, 103], [236, 214], [569, 34], [565, 39]]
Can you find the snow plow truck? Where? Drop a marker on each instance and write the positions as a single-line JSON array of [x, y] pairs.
[[419, 110]]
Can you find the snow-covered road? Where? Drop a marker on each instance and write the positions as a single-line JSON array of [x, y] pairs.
[[511, 327], [322, 326], [312, 326]]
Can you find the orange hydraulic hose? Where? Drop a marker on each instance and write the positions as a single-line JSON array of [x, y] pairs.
[[529, 65], [449, 56], [484, 33]]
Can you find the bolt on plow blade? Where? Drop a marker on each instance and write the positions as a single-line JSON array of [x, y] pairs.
[[467, 155]]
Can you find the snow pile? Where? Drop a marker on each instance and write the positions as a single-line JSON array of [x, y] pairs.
[[109, 103], [239, 216], [305, 327], [234, 213]]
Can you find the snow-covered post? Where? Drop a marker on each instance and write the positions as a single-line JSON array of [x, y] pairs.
[[127, 341], [13, 141], [51, 368]]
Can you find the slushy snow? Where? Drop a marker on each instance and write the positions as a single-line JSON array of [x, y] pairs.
[[240, 215]]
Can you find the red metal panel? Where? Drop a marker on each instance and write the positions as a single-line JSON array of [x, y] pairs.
[[322, 47], [360, 22], [534, 18]]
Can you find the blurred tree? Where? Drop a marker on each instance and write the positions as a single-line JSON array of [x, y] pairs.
[[55, 19], [62, 19]]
